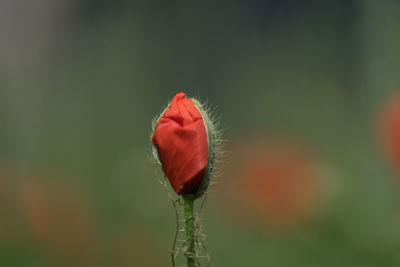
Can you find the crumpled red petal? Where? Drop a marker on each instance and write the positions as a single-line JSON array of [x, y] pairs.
[[181, 140]]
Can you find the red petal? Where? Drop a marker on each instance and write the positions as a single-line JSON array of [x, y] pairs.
[[181, 140]]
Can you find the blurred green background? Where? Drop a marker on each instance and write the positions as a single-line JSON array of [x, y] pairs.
[[81, 80]]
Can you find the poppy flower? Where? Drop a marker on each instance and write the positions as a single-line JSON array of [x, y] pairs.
[[273, 182], [389, 126], [58, 216], [185, 145]]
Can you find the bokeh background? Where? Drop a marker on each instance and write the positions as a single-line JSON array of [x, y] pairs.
[[296, 85]]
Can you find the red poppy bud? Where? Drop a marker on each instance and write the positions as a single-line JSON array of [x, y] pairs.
[[184, 138]]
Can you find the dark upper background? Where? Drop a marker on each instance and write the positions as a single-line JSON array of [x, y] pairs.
[[80, 82]]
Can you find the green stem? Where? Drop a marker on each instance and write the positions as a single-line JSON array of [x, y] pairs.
[[189, 227]]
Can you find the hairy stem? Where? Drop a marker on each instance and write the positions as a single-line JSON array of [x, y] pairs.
[[189, 228]]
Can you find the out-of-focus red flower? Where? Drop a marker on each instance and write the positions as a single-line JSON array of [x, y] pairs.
[[270, 182], [58, 216], [180, 137], [389, 127]]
